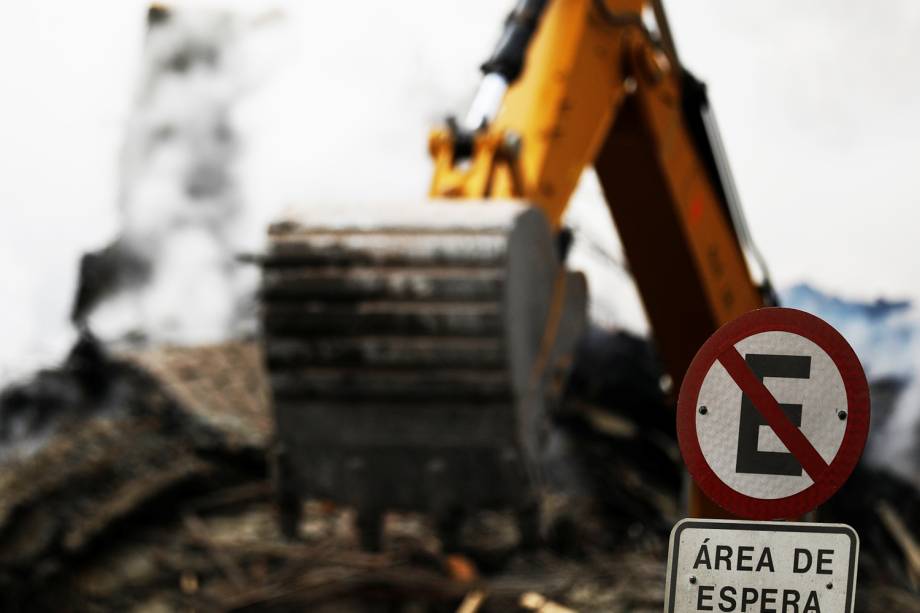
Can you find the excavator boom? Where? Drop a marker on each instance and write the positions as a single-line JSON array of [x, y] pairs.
[[598, 88]]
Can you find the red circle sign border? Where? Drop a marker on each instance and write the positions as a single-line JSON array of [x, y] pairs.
[[854, 439]]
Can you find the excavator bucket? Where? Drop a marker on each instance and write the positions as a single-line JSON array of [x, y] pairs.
[[415, 353]]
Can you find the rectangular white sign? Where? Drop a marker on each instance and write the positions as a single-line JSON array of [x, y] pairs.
[[761, 567]]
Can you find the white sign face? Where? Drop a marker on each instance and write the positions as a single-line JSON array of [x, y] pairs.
[[735, 440], [761, 567]]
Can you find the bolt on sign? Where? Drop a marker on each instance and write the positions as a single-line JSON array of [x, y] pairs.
[[761, 567], [773, 414]]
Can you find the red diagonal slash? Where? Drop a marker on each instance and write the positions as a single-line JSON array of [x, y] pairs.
[[764, 402]]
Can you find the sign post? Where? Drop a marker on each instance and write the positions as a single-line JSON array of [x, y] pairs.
[[772, 417]]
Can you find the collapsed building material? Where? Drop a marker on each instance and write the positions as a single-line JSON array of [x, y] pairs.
[[146, 499]]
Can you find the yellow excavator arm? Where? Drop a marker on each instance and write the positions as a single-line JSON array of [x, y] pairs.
[[575, 83], [596, 89]]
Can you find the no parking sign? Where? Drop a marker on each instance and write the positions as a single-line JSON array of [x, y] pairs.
[[773, 414]]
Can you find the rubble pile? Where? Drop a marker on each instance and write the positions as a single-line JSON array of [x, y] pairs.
[[148, 488]]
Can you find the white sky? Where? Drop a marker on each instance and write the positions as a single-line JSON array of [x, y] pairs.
[[817, 101]]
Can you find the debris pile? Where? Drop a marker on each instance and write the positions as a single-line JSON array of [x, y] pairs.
[[152, 492]]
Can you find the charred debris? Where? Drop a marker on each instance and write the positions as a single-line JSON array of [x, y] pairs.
[[140, 482]]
